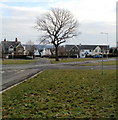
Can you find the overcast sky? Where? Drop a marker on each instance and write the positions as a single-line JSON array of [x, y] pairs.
[[94, 16]]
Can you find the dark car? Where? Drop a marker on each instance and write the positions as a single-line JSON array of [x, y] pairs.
[[29, 57], [97, 56]]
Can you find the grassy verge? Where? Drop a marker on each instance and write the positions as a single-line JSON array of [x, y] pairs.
[[100, 63], [63, 94], [12, 61], [73, 60]]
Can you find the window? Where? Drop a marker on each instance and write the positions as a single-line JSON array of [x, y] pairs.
[[20, 50], [11, 49]]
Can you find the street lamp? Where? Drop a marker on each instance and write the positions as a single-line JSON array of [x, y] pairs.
[[107, 43]]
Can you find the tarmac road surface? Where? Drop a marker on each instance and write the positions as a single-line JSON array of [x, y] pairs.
[[13, 74]]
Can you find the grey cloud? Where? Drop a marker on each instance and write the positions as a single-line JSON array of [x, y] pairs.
[[23, 29], [91, 33]]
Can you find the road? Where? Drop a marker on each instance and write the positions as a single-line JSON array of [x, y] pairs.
[[13, 74]]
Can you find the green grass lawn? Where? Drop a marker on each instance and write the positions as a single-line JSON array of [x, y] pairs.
[[18, 61], [63, 94], [73, 60], [113, 62]]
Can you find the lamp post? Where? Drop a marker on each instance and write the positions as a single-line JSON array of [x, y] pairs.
[[107, 43]]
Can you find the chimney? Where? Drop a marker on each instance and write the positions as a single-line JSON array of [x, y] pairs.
[[16, 40], [5, 40]]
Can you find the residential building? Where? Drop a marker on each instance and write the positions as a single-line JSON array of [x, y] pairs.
[[72, 50], [92, 50], [13, 48], [44, 50], [86, 50]]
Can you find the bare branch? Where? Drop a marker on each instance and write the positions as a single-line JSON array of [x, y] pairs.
[[58, 25]]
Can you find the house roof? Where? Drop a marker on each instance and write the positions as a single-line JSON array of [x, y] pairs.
[[70, 47], [39, 47], [7, 44], [90, 47]]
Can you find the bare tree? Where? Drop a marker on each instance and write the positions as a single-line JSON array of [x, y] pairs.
[[30, 48], [61, 51], [57, 26]]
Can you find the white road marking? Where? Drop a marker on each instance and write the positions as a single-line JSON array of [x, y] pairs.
[[20, 71], [8, 71], [2, 72]]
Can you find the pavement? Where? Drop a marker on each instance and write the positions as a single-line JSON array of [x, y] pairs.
[[13, 74]]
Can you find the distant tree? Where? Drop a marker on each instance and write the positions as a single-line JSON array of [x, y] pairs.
[[30, 48], [116, 51], [111, 50], [58, 25], [61, 51]]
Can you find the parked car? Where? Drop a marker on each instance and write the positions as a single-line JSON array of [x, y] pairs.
[[29, 57], [97, 56]]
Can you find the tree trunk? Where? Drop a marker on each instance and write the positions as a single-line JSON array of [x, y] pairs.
[[56, 51]]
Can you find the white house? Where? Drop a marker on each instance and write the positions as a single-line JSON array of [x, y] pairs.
[[46, 52], [86, 50], [36, 53], [92, 50], [25, 50]]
